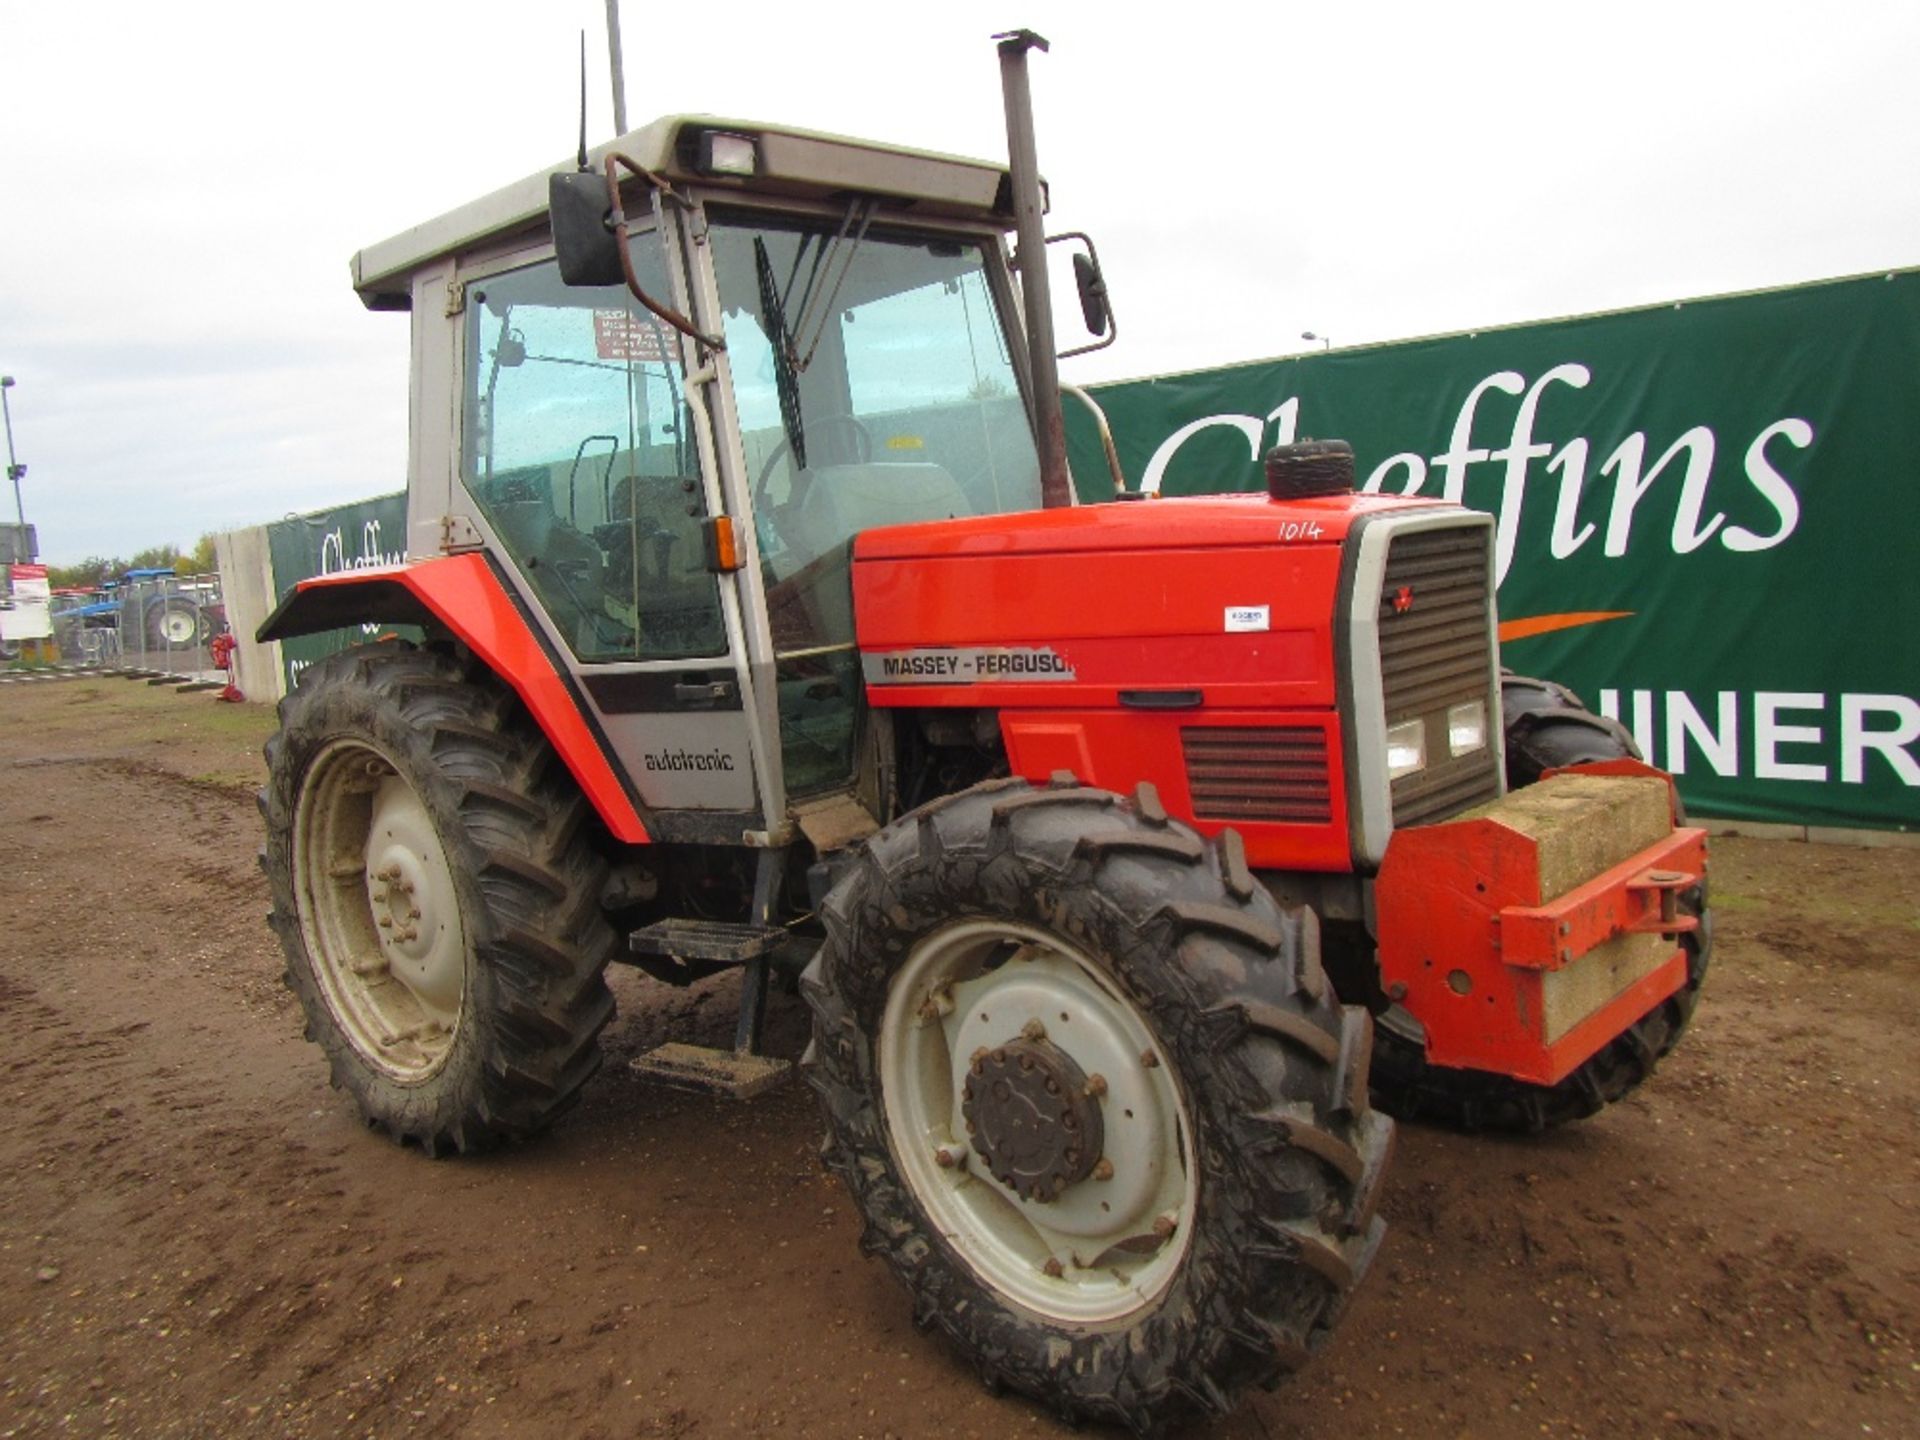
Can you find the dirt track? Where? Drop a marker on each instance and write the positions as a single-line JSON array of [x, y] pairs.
[[198, 1238]]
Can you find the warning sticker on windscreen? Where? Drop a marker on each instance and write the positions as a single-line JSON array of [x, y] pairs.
[[622, 335]]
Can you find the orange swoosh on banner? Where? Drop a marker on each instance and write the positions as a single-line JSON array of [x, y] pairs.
[[1546, 624]]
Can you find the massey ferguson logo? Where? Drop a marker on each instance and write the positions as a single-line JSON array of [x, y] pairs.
[[997, 663]]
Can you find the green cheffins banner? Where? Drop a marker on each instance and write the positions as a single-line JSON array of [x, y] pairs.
[[347, 537], [1708, 515]]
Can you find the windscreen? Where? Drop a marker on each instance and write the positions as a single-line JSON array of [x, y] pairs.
[[873, 381]]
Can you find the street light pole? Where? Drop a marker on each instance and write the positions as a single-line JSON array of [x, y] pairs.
[[1325, 343], [14, 469]]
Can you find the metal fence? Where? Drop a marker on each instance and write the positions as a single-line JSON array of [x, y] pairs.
[[163, 626]]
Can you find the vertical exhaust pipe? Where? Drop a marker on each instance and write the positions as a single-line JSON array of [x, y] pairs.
[[1056, 484]]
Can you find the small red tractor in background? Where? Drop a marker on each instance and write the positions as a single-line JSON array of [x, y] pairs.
[[1128, 855]]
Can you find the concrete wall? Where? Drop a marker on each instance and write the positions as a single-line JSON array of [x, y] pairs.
[[246, 582]]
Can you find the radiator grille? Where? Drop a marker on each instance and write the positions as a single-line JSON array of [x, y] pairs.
[[1269, 773], [1435, 653]]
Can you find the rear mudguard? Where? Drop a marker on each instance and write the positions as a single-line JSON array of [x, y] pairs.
[[1530, 934], [463, 594]]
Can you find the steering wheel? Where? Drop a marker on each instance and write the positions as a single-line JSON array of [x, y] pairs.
[[863, 447]]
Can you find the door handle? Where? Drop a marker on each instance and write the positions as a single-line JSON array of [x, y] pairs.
[[707, 692]]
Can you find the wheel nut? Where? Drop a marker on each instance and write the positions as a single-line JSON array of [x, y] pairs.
[[1164, 1226], [1103, 1170], [1149, 1060], [386, 922], [1033, 1030], [1053, 1268], [947, 1159], [978, 1058], [1096, 1086]]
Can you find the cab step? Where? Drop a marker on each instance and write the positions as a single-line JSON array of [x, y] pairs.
[[736, 1074], [719, 942]]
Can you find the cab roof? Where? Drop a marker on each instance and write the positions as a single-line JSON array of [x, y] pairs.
[[790, 162]]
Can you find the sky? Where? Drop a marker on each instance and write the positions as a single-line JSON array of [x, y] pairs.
[[181, 186]]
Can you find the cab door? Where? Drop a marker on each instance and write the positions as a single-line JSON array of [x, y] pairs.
[[588, 458]]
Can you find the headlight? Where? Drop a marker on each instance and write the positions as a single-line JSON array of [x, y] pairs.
[[1406, 748], [1467, 727]]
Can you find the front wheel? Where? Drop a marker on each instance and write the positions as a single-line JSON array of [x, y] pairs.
[[436, 897], [1095, 1099]]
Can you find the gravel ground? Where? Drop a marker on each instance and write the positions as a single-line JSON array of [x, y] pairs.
[[198, 1238]]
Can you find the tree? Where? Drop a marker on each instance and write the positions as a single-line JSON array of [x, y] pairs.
[[155, 557], [85, 575], [204, 560]]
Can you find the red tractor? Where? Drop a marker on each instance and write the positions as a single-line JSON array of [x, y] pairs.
[[1126, 854]]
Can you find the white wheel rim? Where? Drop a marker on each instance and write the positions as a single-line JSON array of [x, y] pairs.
[[379, 914], [1109, 1246], [178, 627]]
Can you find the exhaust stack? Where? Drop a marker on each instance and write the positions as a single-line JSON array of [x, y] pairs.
[[1056, 484]]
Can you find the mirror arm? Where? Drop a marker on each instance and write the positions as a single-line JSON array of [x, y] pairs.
[[1106, 433], [617, 217]]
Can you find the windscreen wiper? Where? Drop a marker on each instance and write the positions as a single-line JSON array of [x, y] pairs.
[[786, 379]]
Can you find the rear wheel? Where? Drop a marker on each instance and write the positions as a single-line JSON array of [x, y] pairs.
[[1547, 726], [1103, 1117], [173, 623], [437, 897]]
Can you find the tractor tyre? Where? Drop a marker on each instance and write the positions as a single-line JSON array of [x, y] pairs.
[[436, 891], [174, 623], [1099, 1108], [1546, 727]]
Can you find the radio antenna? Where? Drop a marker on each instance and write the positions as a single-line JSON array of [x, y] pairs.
[[583, 99]]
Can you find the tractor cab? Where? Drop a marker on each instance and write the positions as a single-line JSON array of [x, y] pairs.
[[672, 488]]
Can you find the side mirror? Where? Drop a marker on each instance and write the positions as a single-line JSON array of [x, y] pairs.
[[1093, 293], [584, 243], [590, 236], [1095, 308]]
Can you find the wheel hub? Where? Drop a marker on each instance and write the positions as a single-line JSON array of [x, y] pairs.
[[380, 914], [1032, 1118]]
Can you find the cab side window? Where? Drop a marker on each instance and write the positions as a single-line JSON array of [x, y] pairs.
[[577, 448]]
